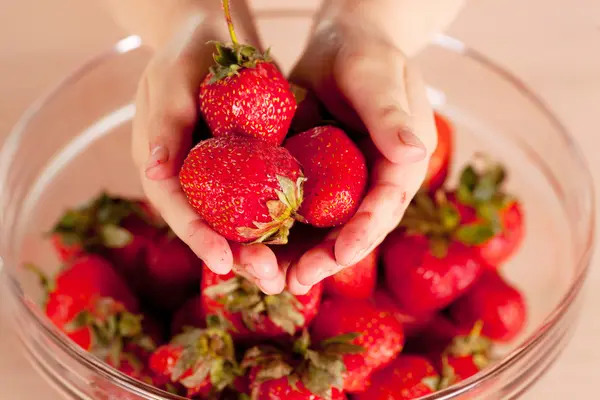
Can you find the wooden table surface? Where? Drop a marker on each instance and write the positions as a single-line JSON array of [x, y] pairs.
[[554, 45]]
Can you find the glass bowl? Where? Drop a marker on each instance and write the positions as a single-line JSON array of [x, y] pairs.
[[75, 141]]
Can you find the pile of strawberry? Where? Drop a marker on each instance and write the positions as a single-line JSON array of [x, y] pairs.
[[418, 314]]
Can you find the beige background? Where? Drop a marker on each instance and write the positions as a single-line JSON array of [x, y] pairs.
[[554, 45]]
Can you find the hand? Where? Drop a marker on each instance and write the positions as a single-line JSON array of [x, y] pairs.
[[166, 115], [370, 86]]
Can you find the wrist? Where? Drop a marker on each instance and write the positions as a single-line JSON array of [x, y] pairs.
[[158, 22], [407, 25]]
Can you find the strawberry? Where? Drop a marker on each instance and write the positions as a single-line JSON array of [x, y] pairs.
[[306, 372], [243, 188], [380, 335], [412, 324], [112, 226], [464, 357], [244, 93], [432, 260], [85, 280], [253, 314], [357, 281], [439, 164], [434, 338], [190, 314], [91, 303], [201, 360], [496, 303], [171, 272], [481, 200], [408, 377], [310, 110], [336, 175]]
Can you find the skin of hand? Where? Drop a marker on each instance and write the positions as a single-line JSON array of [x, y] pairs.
[[368, 84], [166, 115]]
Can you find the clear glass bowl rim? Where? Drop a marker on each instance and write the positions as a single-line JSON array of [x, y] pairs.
[[132, 43]]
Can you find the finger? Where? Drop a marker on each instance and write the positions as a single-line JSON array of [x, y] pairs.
[[256, 259], [171, 203], [294, 286], [248, 259], [392, 188], [380, 99], [317, 263], [393, 184], [174, 79]]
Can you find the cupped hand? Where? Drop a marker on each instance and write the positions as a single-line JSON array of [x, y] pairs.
[[166, 116], [370, 86]]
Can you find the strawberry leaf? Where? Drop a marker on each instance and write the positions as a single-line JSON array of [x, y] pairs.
[[302, 344], [475, 234], [113, 236], [201, 371], [432, 382]]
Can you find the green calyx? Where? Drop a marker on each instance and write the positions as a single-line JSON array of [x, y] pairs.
[[206, 354], [97, 223], [282, 211], [483, 191], [320, 368], [473, 345], [112, 327], [230, 59], [440, 222], [239, 295]]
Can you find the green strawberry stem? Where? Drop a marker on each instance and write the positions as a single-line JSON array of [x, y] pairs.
[[231, 58], [227, 11]]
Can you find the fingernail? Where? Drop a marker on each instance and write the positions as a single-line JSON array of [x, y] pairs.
[[415, 149], [250, 269], [271, 286], [158, 155]]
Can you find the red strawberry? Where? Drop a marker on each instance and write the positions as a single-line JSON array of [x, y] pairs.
[[433, 260], [434, 338], [439, 164], [412, 324], [408, 377], [464, 357], [499, 306], [380, 335], [116, 227], [310, 111], [83, 282], [253, 314], [245, 93], [93, 306], [305, 372], [357, 281], [336, 175], [202, 360], [171, 274], [481, 200], [245, 189], [190, 314]]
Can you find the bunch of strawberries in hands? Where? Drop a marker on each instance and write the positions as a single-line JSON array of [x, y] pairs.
[[418, 314]]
